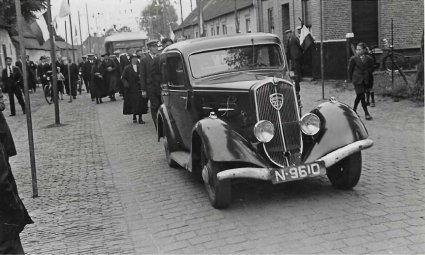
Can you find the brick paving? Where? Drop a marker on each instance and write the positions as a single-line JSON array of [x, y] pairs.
[[105, 188]]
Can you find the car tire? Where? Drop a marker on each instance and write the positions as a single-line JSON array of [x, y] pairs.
[[346, 173], [167, 150], [219, 192]]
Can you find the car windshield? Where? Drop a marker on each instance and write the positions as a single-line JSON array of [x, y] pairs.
[[235, 59]]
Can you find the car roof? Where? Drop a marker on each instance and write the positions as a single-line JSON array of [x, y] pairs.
[[188, 47]]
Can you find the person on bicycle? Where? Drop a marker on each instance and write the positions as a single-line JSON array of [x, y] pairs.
[[359, 68]]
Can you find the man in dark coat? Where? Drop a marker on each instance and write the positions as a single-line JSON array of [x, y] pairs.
[[11, 79], [150, 77], [99, 87], [71, 72], [87, 69], [294, 53], [112, 75], [43, 68], [30, 72], [13, 215], [135, 102]]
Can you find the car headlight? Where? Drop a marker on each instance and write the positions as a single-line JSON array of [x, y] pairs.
[[310, 124], [264, 131]]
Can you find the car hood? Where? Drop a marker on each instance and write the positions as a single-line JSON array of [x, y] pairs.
[[234, 81]]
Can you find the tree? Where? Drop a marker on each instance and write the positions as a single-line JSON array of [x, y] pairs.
[[157, 18], [8, 11]]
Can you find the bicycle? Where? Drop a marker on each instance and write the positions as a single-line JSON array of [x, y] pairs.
[[391, 61], [48, 88]]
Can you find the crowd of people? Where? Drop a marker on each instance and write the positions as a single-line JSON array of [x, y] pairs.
[[135, 77]]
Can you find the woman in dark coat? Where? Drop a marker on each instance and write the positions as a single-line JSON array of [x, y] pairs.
[[13, 215], [134, 102], [111, 75], [99, 87]]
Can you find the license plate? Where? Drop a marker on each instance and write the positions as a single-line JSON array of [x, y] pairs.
[[292, 173]]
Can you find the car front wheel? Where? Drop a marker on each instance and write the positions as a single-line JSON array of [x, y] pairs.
[[346, 173], [219, 192]]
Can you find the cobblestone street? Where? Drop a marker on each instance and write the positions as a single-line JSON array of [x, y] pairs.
[[105, 187]]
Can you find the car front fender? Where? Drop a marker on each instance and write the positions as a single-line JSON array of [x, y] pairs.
[[223, 144], [340, 126]]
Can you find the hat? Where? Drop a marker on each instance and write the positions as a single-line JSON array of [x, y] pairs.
[[90, 55], [105, 54], [117, 52], [299, 27], [152, 43], [288, 31], [42, 57], [133, 56], [85, 56]]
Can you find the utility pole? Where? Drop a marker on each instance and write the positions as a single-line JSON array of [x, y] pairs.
[[72, 38], [88, 29], [68, 69], [27, 98], [322, 62], [236, 19], [81, 38], [53, 57], [181, 14]]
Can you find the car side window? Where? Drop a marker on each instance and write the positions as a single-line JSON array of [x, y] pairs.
[[176, 77]]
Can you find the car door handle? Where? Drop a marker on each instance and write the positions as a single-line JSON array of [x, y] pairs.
[[184, 98], [165, 93]]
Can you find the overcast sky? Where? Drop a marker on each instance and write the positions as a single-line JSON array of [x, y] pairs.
[[103, 14]]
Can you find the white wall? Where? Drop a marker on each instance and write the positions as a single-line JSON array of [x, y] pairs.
[[10, 49]]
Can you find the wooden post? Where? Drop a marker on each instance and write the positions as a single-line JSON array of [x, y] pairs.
[[88, 30], [27, 98], [81, 38], [53, 58], [72, 37], [68, 69], [322, 62]]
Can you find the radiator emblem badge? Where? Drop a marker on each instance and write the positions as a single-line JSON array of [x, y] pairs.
[[276, 99]]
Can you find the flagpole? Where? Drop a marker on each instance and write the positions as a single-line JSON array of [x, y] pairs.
[[72, 38], [27, 99], [88, 29], [53, 57], [81, 38], [67, 56]]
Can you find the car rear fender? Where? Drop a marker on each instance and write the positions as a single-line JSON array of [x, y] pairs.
[[340, 126], [222, 144], [165, 125]]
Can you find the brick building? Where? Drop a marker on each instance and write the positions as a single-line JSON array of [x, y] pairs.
[[369, 20]]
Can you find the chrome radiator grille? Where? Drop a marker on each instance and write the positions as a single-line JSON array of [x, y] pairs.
[[287, 140]]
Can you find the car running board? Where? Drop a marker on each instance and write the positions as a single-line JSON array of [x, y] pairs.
[[181, 158]]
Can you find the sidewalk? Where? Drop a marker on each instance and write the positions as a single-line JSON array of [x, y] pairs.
[[105, 187]]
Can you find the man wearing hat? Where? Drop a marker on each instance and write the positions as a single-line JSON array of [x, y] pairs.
[[86, 72], [112, 75], [294, 52], [11, 79], [150, 77], [118, 58], [80, 69], [42, 69], [72, 72]]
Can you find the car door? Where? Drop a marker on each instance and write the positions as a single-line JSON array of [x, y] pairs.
[[178, 98]]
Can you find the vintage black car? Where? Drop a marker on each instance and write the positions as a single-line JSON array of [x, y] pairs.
[[230, 111]]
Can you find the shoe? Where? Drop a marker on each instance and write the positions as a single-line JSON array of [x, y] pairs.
[[134, 121], [12, 115], [100, 101], [372, 105], [368, 117], [141, 121]]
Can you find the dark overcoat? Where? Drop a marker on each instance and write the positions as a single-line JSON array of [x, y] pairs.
[[134, 103], [359, 72], [13, 214], [111, 76], [100, 88]]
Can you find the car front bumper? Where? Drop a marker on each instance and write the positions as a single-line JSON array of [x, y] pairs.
[[264, 173]]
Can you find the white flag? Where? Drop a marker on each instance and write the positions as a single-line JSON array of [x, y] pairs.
[[64, 9]]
